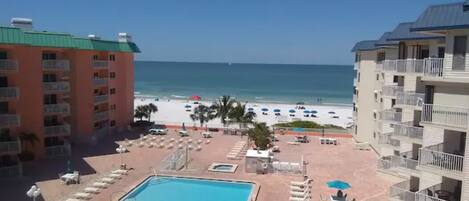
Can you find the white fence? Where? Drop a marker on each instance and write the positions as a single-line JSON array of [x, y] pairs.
[[391, 115], [445, 115], [62, 65], [434, 157], [400, 191], [410, 98], [392, 90], [433, 67], [404, 66], [175, 161], [408, 131]]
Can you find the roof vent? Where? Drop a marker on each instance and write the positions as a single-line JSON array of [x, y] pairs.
[[22, 23], [93, 36], [124, 37], [465, 6]]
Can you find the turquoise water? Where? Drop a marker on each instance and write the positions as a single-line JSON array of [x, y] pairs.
[[248, 82], [182, 189]]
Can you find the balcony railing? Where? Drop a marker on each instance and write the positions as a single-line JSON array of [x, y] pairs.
[[385, 139], [100, 81], [433, 67], [391, 115], [355, 82], [356, 66], [9, 120], [58, 150], [401, 191], [62, 108], [100, 98], [9, 93], [100, 64], [434, 157], [10, 147], [11, 171], [8, 65], [56, 87], [379, 67], [410, 99], [404, 66], [445, 115], [391, 90], [408, 131], [56, 65], [100, 116], [59, 130], [422, 195]]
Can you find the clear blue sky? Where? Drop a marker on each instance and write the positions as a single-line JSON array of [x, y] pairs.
[[255, 31]]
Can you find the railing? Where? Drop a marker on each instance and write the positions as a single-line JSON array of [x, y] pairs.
[[56, 87], [100, 81], [59, 130], [434, 157], [58, 150], [100, 116], [100, 98], [445, 115], [8, 120], [8, 93], [404, 66], [423, 194], [10, 147], [356, 66], [391, 115], [401, 191], [62, 108], [433, 67], [408, 131], [397, 162], [11, 171], [100, 64], [56, 65], [410, 99], [8, 65], [387, 140], [379, 67], [392, 90], [355, 82]]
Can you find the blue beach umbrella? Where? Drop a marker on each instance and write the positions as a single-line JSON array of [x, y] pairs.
[[250, 109], [276, 110], [188, 106], [314, 111], [292, 111], [331, 112], [306, 112], [265, 109], [338, 184]]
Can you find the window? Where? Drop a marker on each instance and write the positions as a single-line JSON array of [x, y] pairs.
[[402, 50], [374, 134], [113, 90], [95, 57], [49, 78], [395, 79], [358, 77], [3, 55], [377, 76], [96, 108], [112, 57], [112, 75], [50, 99], [381, 56], [441, 52], [357, 57], [113, 107], [459, 52], [51, 120], [49, 56], [3, 107], [3, 81], [113, 123]]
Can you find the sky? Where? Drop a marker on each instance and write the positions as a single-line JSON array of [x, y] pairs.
[[237, 31]]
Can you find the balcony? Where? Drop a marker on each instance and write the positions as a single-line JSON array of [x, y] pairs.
[[100, 98], [58, 130], [379, 67], [391, 115], [433, 159], [10, 167], [386, 140], [391, 90], [355, 82], [398, 164], [62, 108], [10, 147], [56, 87], [57, 151], [433, 67], [404, 66], [9, 93], [356, 66], [56, 65], [100, 81], [101, 116], [455, 117], [401, 192], [100, 64], [425, 195], [408, 131], [8, 65], [9, 120], [410, 99]]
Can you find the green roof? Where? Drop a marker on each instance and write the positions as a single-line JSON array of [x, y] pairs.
[[16, 36]]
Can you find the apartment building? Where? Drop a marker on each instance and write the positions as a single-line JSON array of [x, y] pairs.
[[57, 89]]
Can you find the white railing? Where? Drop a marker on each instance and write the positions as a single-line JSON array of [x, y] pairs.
[[408, 131], [62, 108], [100, 64], [59, 130], [445, 115], [355, 82], [390, 162], [11, 171], [100, 116], [422, 195], [10, 147], [99, 81], [100, 98], [56, 65], [401, 191], [58, 150], [8, 65], [379, 67], [404, 66], [391, 90], [433, 67], [434, 157], [410, 98], [9, 92], [7, 120], [356, 66], [387, 140], [56, 87], [391, 115]]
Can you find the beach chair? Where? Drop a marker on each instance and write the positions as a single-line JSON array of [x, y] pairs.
[[120, 171], [301, 183], [82, 195], [128, 142], [299, 189], [181, 141], [150, 145], [207, 142], [198, 148], [171, 140], [161, 146], [300, 194], [100, 184], [162, 139], [170, 145], [141, 144], [115, 176], [108, 180], [199, 141], [305, 198], [91, 190], [189, 147], [180, 146], [189, 141], [72, 199]]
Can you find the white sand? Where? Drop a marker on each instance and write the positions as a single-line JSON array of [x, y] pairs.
[[174, 112]]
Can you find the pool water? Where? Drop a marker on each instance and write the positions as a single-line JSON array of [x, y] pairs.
[[223, 167], [184, 189]]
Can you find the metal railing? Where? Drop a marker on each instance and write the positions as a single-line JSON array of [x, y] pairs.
[[433, 156], [56, 87], [433, 67], [100, 81], [379, 67], [445, 115], [56, 65], [10, 147], [404, 66], [408, 131], [422, 195], [58, 150], [7, 93], [410, 99], [11, 171], [100, 98], [8, 65], [100, 64], [100, 116], [62, 108], [391, 115], [385, 139], [391, 90], [58, 130], [401, 191], [7, 120]]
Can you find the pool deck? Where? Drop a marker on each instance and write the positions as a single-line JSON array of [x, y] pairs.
[[326, 162]]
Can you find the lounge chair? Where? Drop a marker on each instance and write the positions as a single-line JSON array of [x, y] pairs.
[[301, 183], [128, 142], [207, 142], [161, 146], [180, 146], [92, 190], [299, 189], [189, 141], [199, 141], [141, 144], [150, 145], [72, 199], [170, 145], [82, 195], [362, 146], [198, 148], [180, 140], [108, 180], [293, 143], [115, 176], [171, 140], [300, 194], [120, 171], [189, 147], [305, 198], [100, 185]]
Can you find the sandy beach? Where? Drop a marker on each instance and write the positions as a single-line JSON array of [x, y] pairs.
[[173, 112]]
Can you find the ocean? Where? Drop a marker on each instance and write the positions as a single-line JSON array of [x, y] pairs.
[[276, 83]]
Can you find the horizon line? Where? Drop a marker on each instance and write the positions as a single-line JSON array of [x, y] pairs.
[[215, 62]]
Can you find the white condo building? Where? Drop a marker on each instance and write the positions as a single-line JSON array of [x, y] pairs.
[[411, 104]]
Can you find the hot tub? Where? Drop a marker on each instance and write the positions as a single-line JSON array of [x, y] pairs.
[[223, 167]]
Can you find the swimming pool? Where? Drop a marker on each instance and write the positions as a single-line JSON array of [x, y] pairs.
[[161, 188]]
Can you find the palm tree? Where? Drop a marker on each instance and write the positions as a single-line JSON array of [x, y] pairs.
[[27, 137], [222, 107], [151, 108], [260, 135], [239, 115], [141, 112], [203, 114]]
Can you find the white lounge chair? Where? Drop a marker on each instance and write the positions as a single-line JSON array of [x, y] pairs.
[[82, 195], [180, 146], [170, 145], [207, 142], [198, 148], [150, 145], [141, 144], [199, 141], [299, 194], [299, 189], [189, 147], [115, 176], [301, 183], [100, 184], [171, 140], [72, 199], [307, 198], [108, 180], [128, 142], [180, 140], [120, 171], [161, 146], [91, 190]]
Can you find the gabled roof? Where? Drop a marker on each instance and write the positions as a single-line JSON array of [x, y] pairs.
[[16, 36], [402, 32], [365, 45], [383, 40], [442, 17]]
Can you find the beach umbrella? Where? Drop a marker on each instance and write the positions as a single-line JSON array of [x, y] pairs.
[[292, 111], [265, 109], [276, 110], [188, 106], [338, 184], [196, 97], [331, 112], [250, 109], [314, 111], [306, 112]]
